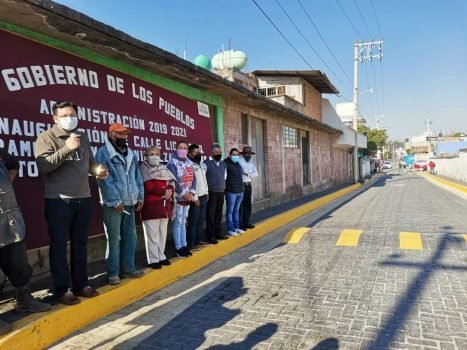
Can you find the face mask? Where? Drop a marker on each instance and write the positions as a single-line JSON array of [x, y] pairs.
[[196, 158], [217, 157], [154, 160], [121, 142], [235, 159], [68, 123], [181, 153], [247, 158]]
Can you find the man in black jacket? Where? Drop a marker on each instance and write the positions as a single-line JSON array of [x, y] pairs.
[[13, 256]]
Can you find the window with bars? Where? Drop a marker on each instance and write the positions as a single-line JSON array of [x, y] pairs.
[[290, 137]]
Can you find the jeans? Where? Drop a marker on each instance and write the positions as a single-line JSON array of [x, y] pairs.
[[68, 217], [179, 225], [196, 220], [120, 230], [245, 207], [14, 264], [233, 205]]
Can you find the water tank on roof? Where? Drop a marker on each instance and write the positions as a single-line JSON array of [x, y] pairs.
[[203, 61], [229, 60]]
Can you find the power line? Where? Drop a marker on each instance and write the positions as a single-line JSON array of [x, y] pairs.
[[363, 19], [306, 40], [349, 20], [376, 17], [325, 43], [376, 89], [283, 36]]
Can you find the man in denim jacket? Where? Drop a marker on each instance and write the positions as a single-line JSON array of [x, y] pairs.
[[122, 193]]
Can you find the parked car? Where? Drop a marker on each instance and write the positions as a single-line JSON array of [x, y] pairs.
[[387, 164], [420, 165]]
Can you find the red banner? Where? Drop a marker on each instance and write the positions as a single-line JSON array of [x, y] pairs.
[[34, 76]]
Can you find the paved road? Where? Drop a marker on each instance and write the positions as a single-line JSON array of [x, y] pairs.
[[368, 292]]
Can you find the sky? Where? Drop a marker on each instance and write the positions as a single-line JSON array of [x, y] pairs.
[[423, 73]]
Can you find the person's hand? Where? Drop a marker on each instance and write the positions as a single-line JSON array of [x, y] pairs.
[[73, 142], [168, 193], [197, 203], [188, 196], [119, 208], [102, 172], [139, 205]]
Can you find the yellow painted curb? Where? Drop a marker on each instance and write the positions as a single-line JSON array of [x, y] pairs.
[[295, 235], [447, 183], [410, 240], [41, 330], [349, 238]]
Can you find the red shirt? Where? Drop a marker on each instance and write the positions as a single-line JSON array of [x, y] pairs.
[[155, 206]]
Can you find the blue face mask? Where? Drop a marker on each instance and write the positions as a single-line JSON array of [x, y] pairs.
[[235, 159]]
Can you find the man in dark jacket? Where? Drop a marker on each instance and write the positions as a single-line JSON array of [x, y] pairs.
[[215, 176], [13, 257], [234, 188]]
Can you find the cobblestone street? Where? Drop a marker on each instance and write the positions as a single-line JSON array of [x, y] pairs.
[[376, 289]]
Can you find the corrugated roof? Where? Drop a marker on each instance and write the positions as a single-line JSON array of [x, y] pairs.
[[316, 78]]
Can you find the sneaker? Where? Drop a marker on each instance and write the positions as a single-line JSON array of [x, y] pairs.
[[180, 253], [186, 251], [196, 248], [134, 274], [232, 233], [165, 262], [26, 303], [239, 230], [205, 244], [213, 241], [156, 266], [114, 280], [250, 226]]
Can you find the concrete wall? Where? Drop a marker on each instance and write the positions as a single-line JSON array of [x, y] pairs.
[[455, 168]]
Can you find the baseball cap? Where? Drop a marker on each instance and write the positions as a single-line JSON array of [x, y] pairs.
[[117, 127]]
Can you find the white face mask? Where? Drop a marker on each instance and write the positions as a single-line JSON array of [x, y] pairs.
[[154, 160], [68, 123]]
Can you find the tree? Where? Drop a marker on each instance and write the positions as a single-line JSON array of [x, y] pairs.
[[377, 138]]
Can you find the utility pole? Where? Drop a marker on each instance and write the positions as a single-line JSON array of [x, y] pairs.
[[378, 118], [363, 51]]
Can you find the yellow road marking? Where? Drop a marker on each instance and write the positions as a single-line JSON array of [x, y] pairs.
[[465, 237], [349, 238], [295, 236], [410, 240], [448, 183]]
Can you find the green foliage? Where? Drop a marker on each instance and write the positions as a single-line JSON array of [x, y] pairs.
[[376, 139]]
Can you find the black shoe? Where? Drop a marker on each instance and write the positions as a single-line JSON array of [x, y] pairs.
[[156, 266], [186, 251], [222, 237], [165, 262], [244, 228], [180, 253], [250, 226], [213, 241]]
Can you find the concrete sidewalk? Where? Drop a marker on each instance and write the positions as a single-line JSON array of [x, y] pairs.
[[40, 330]]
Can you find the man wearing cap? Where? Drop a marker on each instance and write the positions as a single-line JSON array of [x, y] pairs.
[[249, 172], [64, 157], [122, 193]]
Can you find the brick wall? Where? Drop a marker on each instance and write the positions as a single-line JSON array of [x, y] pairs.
[[321, 156], [312, 102]]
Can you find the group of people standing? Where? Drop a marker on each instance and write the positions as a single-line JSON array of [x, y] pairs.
[[188, 191]]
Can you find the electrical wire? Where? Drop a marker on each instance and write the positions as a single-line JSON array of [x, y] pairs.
[[325, 43], [376, 17], [362, 18], [306, 40], [283, 36], [350, 21]]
